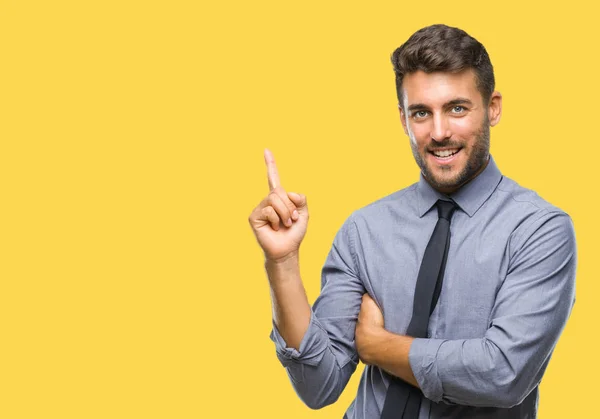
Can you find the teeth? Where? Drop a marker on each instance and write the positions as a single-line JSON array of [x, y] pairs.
[[445, 153]]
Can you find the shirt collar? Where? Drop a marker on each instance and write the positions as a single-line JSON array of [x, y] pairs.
[[470, 197]]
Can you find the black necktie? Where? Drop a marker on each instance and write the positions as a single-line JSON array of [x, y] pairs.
[[402, 400]]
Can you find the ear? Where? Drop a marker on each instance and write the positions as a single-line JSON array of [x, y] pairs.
[[403, 119], [495, 108]]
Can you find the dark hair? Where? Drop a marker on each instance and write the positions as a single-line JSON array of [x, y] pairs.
[[443, 48]]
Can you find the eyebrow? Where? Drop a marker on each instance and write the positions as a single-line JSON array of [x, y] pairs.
[[453, 102]]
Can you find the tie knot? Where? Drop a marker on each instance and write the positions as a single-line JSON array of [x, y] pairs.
[[445, 209]]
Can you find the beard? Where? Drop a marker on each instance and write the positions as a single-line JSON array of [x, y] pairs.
[[477, 158]]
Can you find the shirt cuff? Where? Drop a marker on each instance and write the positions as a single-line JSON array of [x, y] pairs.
[[422, 359], [312, 346]]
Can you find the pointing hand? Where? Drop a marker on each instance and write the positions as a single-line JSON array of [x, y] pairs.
[[280, 220]]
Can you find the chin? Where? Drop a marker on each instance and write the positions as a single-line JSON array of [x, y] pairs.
[[442, 179], [446, 184]]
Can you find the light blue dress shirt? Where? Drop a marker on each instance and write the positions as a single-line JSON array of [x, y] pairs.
[[508, 290]]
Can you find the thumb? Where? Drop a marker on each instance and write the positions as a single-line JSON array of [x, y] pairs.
[[298, 199]]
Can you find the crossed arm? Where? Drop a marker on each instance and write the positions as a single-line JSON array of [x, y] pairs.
[[377, 346], [500, 369]]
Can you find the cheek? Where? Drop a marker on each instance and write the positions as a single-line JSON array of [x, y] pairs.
[[419, 134], [465, 128], [461, 125]]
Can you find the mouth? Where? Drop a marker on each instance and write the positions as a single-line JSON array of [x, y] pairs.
[[445, 155]]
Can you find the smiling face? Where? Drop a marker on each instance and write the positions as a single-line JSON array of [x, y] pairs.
[[448, 124]]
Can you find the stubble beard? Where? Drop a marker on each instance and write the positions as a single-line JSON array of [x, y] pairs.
[[478, 157]]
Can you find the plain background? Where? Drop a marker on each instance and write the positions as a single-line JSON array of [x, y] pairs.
[[132, 135]]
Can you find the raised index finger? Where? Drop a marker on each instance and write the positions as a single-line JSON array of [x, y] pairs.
[[272, 173]]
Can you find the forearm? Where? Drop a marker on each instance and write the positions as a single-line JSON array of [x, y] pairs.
[[321, 370], [476, 372], [389, 352], [318, 374], [472, 372], [291, 311], [316, 344]]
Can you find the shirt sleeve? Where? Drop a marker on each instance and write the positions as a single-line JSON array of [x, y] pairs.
[[530, 312], [327, 356]]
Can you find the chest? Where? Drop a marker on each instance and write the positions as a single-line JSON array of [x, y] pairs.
[[476, 266]]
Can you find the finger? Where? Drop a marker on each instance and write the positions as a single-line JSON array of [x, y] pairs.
[[281, 193], [272, 173], [299, 200], [282, 210], [269, 214]]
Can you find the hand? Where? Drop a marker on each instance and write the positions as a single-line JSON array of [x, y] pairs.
[[368, 327], [279, 222]]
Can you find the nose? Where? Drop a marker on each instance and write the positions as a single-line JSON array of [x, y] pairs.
[[440, 128]]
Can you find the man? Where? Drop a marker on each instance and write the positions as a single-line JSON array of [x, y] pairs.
[[504, 270]]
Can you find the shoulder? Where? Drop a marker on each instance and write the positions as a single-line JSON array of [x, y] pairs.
[[535, 216], [526, 199], [388, 207], [375, 220]]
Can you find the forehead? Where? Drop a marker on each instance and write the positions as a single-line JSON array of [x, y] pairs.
[[435, 89]]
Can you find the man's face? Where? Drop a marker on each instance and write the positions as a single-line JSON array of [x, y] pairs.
[[448, 125]]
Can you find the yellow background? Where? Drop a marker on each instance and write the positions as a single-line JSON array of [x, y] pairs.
[[132, 135]]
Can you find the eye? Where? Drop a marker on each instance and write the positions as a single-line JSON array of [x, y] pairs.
[[419, 114], [458, 109]]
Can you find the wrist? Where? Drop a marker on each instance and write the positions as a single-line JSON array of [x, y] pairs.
[[284, 260], [283, 270]]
